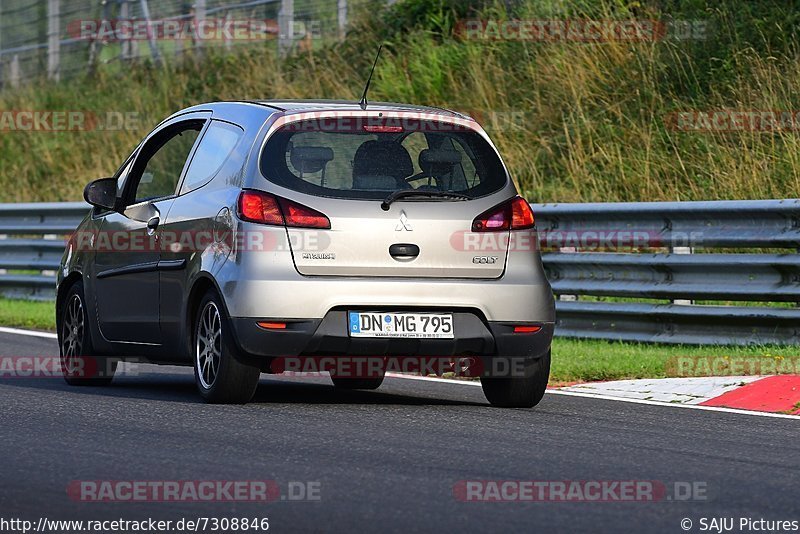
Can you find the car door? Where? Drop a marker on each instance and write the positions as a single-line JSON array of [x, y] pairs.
[[128, 248], [198, 218]]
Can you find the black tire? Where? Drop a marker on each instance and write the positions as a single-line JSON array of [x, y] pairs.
[[220, 377], [357, 383], [519, 391], [80, 365]]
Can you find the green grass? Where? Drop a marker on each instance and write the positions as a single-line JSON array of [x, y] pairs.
[[573, 360], [595, 116], [585, 361], [38, 315]]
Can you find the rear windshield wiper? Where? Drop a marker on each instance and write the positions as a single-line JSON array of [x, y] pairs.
[[408, 193]]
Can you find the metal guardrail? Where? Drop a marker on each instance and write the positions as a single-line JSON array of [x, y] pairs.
[[31, 245], [605, 261], [763, 269]]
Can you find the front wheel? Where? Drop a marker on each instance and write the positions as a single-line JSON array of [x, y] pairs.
[[220, 377], [519, 391]]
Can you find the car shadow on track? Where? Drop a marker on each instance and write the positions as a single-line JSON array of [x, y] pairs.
[[272, 391], [181, 388]]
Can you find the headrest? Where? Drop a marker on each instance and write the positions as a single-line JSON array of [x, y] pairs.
[[382, 158], [431, 160], [310, 159]]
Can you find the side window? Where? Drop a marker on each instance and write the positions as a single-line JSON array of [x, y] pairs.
[[163, 169], [213, 151]]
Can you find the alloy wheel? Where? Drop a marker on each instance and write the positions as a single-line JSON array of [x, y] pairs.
[[72, 333], [208, 345]]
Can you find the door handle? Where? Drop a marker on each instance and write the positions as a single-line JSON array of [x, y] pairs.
[[152, 225]]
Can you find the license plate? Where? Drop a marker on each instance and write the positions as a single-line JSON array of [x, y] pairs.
[[401, 325]]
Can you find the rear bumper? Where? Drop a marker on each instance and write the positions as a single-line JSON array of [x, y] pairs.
[[329, 337]]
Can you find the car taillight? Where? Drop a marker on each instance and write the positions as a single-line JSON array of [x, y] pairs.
[[264, 208], [516, 214], [299, 216], [259, 207]]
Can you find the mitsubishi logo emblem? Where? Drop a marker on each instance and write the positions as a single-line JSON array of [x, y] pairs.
[[404, 223]]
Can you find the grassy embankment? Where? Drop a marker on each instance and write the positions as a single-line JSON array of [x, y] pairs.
[[591, 121]]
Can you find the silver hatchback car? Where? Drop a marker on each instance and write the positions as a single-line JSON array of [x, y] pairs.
[[250, 237]]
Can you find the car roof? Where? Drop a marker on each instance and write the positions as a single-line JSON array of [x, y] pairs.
[[300, 106], [346, 105]]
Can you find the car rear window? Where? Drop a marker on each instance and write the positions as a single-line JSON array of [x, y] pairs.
[[364, 159]]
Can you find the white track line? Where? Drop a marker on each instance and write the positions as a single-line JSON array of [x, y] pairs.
[[48, 335], [31, 333], [609, 398]]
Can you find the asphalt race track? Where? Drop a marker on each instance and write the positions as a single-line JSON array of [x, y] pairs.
[[382, 461]]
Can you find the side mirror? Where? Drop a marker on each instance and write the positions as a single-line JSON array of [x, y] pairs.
[[102, 193]]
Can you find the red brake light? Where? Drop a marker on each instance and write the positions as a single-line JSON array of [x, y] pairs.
[[300, 216], [515, 214], [264, 208], [259, 207], [383, 129]]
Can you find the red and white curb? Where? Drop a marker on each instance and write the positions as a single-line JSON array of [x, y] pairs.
[[772, 394], [673, 390], [575, 391]]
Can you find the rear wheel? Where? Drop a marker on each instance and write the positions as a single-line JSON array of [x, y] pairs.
[[519, 391], [220, 377], [80, 365]]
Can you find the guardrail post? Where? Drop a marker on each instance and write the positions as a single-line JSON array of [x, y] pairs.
[[682, 250], [48, 272], [286, 27], [2, 237], [568, 298], [53, 39]]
